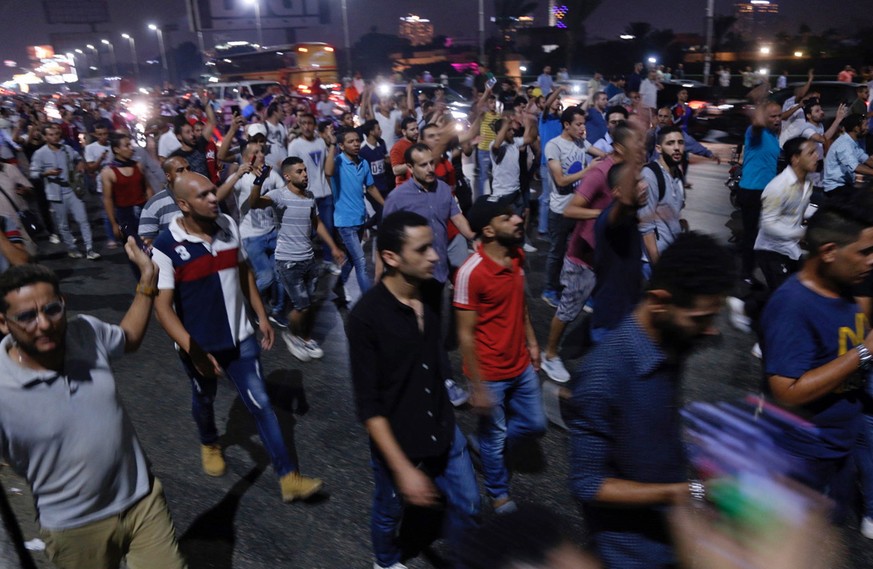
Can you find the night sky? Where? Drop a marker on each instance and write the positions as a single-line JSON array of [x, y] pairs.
[[25, 20]]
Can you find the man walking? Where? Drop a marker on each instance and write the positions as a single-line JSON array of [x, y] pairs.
[[498, 344], [54, 163], [97, 500], [627, 459], [419, 455], [204, 285]]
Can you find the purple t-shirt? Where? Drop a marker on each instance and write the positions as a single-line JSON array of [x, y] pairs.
[[436, 205]]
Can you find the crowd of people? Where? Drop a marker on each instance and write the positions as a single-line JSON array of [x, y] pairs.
[[231, 234]]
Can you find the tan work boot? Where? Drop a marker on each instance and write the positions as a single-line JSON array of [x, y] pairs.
[[295, 486], [213, 460]]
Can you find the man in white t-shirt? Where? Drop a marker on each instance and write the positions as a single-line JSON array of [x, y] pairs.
[[389, 118], [325, 107], [649, 88], [312, 150], [792, 111], [277, 135], [97, 154], [813, 129], [168, 143]]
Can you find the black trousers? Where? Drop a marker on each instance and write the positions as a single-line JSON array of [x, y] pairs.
[[750, 210]]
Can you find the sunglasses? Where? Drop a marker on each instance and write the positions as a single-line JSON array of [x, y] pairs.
[[28, 319]]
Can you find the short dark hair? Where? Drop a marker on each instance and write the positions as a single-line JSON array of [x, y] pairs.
[[614, 174], [667, 130], [392, 230], [792, 147], [617, 109], [417, 147], [290, 161], [406, 122], [427, 127], [177, 128], [306, 114], [369, 126], [692, 266], [343, 132], [273, 108], [21, 276], [570, 113], [853, 121], [115, 140], [322, 126], [838, 222], [811, 104], [621, 133]]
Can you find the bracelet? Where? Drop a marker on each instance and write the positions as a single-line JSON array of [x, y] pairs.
[[148, 290], [697, 491]]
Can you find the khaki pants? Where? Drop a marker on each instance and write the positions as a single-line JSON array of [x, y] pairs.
[[144, 535]]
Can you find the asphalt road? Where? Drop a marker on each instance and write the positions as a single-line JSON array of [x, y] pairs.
[[238, 521]]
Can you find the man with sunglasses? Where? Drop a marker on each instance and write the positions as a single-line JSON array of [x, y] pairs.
[[96, 498]]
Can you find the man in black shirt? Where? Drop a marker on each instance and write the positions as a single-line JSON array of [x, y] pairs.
[[194, 147], [419, 454]]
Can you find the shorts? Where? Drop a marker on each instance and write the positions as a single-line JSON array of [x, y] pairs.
[[578, 283], [300, 279]]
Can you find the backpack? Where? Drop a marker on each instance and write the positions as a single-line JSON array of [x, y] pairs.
[[659, 175]]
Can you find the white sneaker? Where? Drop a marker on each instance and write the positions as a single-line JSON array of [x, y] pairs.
[[756, 351], [92, 255], [296, 346], [73, 254], [867, 527], [332, 268], [313, 349], [737, 315], [555, 369], [395, 566], [54, 239], [528, 248]]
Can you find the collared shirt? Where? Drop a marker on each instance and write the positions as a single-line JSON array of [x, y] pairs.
[[842, 158], [624, 423], [662, 217], [496, 294], [348, 183], [68, 433], [397, 372], [605, 143], [63, 158], [783, 204], [204, 278], [437, 205]]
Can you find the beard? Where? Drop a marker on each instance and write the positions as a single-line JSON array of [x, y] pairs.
[[509, 239], [677, 340]]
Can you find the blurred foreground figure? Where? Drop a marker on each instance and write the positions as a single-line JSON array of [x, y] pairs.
[[531, 537], [628, 462], [96, 499]]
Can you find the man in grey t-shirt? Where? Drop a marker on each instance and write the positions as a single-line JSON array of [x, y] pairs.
[[298, 270], [80, 453]]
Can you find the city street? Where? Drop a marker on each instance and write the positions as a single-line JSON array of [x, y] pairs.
[[239, 521]]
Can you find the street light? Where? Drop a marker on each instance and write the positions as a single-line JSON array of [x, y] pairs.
[[160, 33], [96, 57], [257, 5], [346, 47], [112, 55], [130, 39]]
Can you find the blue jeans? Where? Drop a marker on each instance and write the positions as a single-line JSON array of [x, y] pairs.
[[452, 475], [351, 238], [517, 413], [260, 251], [325, 217], [243, 368], [483, 161], [548, 185], [864, 462]]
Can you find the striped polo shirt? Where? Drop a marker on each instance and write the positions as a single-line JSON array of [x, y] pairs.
[[205, 279], [157, 213]]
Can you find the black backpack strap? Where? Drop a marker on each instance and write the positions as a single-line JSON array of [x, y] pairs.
[[659, 175]]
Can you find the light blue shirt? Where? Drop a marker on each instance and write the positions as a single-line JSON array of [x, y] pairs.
[[348, 183], [841, 161]]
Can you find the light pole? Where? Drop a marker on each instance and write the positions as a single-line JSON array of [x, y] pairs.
[[160, 33], [96, 57], [481, 32], [111, 55], [346, 47], [257, 5], [132, 42]]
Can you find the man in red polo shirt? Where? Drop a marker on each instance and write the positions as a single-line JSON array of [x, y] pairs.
[[409, 130], [501, 355]]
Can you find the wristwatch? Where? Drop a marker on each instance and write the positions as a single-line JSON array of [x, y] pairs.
[[865, 358]]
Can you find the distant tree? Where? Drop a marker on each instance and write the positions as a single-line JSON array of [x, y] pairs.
[[188, 61], [578, 12], [372, 53]]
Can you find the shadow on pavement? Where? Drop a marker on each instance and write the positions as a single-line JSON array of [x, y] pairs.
[[209, 541]]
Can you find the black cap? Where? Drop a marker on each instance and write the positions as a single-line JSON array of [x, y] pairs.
[[486, 208]]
